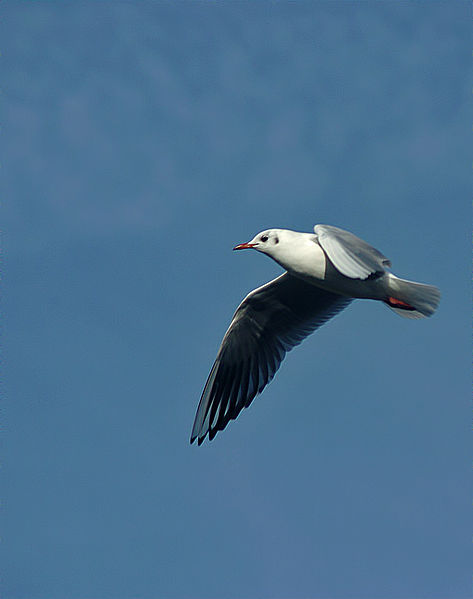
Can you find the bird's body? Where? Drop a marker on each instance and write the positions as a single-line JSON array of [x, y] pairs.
[[325, 271]]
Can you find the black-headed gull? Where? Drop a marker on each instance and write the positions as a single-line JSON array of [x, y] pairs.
[[325, 271]]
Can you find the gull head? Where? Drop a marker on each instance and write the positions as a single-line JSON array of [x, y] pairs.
[[266, 242]]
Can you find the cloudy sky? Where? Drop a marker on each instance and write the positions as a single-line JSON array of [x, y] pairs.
[[143, 141]]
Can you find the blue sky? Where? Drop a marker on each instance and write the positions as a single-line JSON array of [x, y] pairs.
[[143, 141]]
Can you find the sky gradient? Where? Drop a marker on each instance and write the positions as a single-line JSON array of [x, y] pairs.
[[144, 141]]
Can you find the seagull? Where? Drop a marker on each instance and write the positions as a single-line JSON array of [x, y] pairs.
[[324, 272]]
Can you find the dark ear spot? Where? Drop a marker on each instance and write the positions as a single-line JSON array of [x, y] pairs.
[[276, 240]]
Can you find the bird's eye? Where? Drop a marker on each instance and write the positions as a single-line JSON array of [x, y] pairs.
[[264, 238]]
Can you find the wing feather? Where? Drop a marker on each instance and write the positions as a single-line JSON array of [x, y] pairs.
[[269, 322], [350, 255]]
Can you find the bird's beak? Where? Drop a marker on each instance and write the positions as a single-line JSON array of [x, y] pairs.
[[245, 246]]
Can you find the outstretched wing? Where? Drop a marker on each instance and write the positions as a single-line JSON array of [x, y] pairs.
[[350, 255], [269, 322]]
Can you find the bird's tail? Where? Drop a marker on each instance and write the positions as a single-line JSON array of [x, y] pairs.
[[412, 300]]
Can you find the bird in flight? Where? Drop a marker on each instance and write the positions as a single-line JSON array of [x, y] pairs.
[[325, 271]]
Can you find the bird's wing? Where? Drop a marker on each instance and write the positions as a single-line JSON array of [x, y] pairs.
[[350, 255], [269, 322]]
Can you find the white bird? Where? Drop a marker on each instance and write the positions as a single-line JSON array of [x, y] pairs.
[[325, 271]]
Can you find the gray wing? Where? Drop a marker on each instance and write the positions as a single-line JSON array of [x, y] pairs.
[[350, 255], [269, 322]]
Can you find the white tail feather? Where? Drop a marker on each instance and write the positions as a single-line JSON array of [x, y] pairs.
[[421, 300]]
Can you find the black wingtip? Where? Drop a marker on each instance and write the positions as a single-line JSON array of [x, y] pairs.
[[200, 440]]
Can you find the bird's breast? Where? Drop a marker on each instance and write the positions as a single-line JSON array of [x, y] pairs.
[[306, 260]]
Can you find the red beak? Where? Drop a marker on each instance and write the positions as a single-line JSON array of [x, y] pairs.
[[244, 246]]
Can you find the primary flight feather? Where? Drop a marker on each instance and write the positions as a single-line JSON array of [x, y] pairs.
[[325, 271]]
